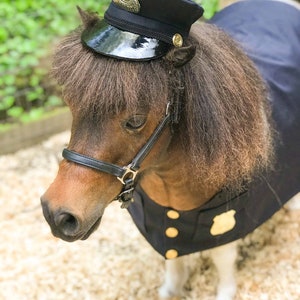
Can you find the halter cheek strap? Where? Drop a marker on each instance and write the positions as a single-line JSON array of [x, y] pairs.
[[126, 175]]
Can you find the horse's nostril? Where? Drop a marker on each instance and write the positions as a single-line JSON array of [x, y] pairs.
[[67, 223]]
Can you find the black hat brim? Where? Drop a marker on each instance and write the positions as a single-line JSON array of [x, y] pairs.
[[113, 42]]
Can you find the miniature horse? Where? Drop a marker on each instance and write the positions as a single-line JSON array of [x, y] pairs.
[[221, 139]]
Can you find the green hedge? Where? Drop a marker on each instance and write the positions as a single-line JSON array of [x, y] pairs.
[[28, 31]]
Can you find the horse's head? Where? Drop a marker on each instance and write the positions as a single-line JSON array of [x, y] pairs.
[[117, 105], [75, 202]]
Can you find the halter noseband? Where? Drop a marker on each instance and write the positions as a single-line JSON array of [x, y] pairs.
[[126, 174]]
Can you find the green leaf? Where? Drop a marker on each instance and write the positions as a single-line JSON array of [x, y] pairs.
[[35, 94], [9, 90], [15, 112], [54, 101], [7, 102], [210, 7], [3, 35], [34, 114], [34, 80], [8, 79]]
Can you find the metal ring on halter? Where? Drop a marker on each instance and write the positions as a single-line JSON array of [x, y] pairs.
[[129, 173]]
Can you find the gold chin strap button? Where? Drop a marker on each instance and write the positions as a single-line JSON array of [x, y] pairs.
[[172, 232], [177, 40], [171, 254], [173, 214]]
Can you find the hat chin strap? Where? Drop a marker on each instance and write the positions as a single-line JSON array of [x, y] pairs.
[[127, 174]]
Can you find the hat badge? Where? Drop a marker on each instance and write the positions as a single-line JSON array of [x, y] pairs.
[[129, 5]]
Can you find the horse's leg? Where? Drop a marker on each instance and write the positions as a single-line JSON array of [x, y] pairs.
[[224, 258], [176, 275]]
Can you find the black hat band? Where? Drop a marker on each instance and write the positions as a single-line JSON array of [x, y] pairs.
[[119, 18]]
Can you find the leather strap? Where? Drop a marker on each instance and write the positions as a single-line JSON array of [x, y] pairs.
[[136, 162], [93, 163]]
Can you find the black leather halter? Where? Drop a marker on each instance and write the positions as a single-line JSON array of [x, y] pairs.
[[127, 174]]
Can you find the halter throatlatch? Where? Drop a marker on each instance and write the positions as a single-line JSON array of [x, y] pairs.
[[126, 175]]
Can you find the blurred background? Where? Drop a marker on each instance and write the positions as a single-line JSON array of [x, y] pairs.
[[28, 32]]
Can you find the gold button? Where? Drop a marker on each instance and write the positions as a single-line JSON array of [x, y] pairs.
[[172, 232], [173, 214], [177, 40], [172, 253]]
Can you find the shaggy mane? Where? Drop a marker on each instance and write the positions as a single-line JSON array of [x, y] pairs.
[[224, 128]]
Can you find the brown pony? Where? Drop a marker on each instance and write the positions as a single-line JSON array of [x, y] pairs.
[[222, 138], [225, 110]]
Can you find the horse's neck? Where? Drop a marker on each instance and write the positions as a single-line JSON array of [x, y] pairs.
[[168, 185]]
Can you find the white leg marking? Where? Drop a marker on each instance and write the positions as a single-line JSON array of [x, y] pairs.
[[224, 258], [176, 275]]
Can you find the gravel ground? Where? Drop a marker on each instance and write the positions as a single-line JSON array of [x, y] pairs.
[[116, 262]]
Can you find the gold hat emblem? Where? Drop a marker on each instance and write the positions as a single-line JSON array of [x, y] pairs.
[[223, 223], [177, 40], [129, 5]]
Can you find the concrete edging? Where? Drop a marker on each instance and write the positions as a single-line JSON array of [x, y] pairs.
[[25, 135]]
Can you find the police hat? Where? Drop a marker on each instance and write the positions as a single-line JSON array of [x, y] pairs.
[[142, 29]]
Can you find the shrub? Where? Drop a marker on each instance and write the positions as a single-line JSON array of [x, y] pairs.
[[28, 30]]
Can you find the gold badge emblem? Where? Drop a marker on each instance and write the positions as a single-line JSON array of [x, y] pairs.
[[129, 5], [177, 40], [223, 223]]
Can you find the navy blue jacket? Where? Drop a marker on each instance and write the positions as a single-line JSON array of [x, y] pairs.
[[269, 32]]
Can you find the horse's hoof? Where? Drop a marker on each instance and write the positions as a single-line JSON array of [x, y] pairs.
[[166, 294]]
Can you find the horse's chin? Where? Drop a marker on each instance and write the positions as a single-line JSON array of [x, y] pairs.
[[92, 229], [80, 236]]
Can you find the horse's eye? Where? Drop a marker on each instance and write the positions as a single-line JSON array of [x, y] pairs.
[[135, 122]]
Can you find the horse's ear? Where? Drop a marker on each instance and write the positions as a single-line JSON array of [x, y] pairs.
[[180, 56], [88, 19]]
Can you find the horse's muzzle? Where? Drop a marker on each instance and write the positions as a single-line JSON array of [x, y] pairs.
[[66, 225]]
